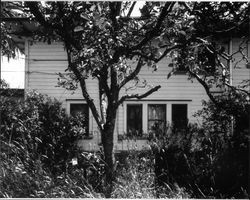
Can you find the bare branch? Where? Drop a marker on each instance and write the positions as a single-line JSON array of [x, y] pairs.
[[156, 30], [103, 77], [167, 50], [237, 89], [204, 84], [132, 75], [155, 59], [131, 8], [231, 28], [137, 96], [85, 93]]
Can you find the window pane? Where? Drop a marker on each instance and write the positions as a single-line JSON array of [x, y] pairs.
[[179, 116], [156, 119], [242, 121], [134, 119], [82, 109]]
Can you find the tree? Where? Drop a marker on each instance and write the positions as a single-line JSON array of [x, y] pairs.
[[101, 37], [8, 34]]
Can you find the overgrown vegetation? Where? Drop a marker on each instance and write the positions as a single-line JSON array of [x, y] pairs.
[[101, 38], [38, 142], [136, 178], [210, 160]]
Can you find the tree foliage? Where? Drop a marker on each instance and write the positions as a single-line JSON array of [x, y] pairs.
[[10, 15]]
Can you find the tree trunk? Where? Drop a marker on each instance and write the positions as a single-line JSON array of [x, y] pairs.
[[108, 144]]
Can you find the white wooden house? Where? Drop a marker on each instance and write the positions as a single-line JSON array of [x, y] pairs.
[[177, 99]]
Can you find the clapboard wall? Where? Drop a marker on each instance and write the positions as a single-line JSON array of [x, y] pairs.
[[44, 62]]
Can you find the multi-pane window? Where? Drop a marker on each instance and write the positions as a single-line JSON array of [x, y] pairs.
[[83, 110], [156, 119], [150, 119], [134, 119], [179, 116]]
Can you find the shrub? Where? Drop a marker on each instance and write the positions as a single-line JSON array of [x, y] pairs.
[[41, 127], [38, 140], [209, 160]]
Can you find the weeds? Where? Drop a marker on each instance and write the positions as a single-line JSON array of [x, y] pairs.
[[136, 178], [38, 142]]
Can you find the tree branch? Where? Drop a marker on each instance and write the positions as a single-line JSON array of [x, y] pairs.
[[103, 77], [167, 50], [203, 83], [155, 59], [85, 93], [137, 96], [156, 30], [132, 75], [131, 9], [60, 30], [237, 89], [34, 9], [115, 8]]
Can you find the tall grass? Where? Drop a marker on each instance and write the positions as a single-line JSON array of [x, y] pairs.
[[38, 140], [136, 178]]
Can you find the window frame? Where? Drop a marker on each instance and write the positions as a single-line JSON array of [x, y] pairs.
[[134, 104], [89, 135], [145, 104], [172, 105], [148, 119]]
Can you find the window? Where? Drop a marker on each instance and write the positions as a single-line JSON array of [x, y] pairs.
[[156, 119], [80, 108], [179, 116], [134, 119], [149, 118]]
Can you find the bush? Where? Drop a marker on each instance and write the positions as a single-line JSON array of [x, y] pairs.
[[208, 160], [38, 141], [42, 129]]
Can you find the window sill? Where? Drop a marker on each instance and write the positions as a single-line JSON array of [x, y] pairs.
[[125, 137]]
